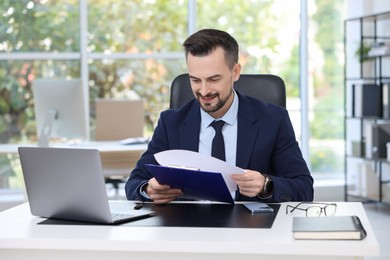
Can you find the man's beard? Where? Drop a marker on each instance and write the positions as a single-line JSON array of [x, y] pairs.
[[207, 107]]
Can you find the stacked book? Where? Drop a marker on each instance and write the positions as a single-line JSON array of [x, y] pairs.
[[328, 228]]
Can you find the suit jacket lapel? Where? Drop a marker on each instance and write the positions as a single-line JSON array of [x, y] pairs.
[[189, 130], [247, 132]]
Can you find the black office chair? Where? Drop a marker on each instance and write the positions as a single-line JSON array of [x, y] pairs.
[[266, 87]]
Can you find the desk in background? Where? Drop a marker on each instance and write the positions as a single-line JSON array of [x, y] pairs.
[[102, 146], [22, 237], [118, 160]]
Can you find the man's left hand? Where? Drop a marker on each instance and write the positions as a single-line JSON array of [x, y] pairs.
[[250, 182]]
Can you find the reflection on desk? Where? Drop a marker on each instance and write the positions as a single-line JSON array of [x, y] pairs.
[[212, 215], [20, 237]]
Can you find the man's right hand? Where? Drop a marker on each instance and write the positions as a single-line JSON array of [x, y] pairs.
[[161, 193]]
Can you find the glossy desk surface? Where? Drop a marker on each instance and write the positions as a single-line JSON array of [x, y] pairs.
[[20, 236]]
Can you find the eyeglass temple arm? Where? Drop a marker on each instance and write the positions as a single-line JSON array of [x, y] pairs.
[[294, 207]]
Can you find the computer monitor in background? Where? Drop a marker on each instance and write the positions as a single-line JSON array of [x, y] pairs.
[[60, 110]]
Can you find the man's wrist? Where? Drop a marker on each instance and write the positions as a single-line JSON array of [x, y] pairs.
[[268, 188], [142, 191]]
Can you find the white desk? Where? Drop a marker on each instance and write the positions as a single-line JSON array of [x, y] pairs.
[[21, 237]]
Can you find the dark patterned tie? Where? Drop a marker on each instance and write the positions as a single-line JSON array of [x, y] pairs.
[[218, 146]]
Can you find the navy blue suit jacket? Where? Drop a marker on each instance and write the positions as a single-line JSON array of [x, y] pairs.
[[265, 142]]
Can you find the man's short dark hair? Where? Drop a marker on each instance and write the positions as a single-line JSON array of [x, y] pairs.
[[206, 41]]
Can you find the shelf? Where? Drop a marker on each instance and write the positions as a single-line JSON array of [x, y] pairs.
[[368, 80], [371, 18], [387, 55], [362, 173], [375, 37], [381, 160], [367, 118], [363, 79], [360, 157]]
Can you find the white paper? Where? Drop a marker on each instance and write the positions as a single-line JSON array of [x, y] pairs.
[[194, 160]]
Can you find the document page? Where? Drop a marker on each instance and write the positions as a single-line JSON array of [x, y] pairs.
[[196, 161]]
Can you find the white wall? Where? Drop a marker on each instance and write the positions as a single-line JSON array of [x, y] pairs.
[[358, 8]]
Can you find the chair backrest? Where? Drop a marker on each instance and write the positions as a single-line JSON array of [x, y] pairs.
[[119, 119], [266, 87]]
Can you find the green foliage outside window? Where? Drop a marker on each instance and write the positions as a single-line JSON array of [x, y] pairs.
[[268, 33]]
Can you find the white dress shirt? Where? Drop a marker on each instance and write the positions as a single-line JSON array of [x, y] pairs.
[[229, 131]]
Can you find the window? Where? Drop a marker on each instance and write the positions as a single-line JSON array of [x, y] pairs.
[[133, 49]]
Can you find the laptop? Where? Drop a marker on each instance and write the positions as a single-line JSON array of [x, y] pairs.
[[68, 184]]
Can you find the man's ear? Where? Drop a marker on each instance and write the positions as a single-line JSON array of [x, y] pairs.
[[237, 71]]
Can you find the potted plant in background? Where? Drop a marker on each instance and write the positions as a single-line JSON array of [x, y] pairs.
[[367, 62]]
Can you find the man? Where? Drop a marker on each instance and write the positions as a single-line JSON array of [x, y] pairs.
[[257, 136]]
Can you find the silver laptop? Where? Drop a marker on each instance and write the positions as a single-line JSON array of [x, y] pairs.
[[66, 183]]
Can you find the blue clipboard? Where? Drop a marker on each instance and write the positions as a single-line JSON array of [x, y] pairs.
[[195, 184]]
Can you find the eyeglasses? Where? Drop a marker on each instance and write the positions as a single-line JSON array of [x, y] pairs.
[[314, 209]]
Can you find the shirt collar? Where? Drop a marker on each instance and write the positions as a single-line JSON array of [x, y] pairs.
[[230, 116]]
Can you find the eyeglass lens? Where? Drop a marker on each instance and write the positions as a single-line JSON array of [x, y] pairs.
[[315, 211], [330, 209]]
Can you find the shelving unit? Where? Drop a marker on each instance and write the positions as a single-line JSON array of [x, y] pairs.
[[367, 104]]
